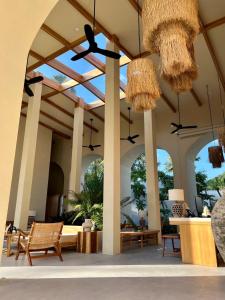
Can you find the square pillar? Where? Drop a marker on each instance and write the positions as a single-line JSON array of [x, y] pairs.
[[111, 203], [76, 160], [28, 158], [152, 185]]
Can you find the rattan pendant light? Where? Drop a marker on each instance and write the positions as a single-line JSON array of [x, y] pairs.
[[183, 82], [142, 85], [215, 152], [169, 28]]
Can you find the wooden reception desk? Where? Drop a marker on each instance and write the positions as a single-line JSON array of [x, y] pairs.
[[197, 242]]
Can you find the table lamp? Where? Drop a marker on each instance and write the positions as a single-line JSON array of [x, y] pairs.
[[177, 195]]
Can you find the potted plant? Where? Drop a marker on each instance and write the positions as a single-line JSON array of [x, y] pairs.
[[84, 208]]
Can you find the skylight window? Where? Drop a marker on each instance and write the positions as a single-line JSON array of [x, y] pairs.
[[85, 94], [99, 83], [52, 74], [123, 74], [80, 66]]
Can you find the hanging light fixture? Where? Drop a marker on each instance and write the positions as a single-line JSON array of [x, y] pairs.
[[142, 85], [221, 131], [169, 28], [215, 152], [183, 82]]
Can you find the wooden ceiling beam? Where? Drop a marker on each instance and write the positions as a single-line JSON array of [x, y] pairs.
[[215, 23], [55, 35], [168, 102], [56, 53], [55, 120], [99, 26], [196, 97], [55, 131], [66, 112], [213, 54]]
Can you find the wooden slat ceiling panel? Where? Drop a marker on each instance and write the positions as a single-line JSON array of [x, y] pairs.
[[63, 20], [44, 44]]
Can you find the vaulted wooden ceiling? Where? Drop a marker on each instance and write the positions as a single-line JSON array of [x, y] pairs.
[[117, 20]]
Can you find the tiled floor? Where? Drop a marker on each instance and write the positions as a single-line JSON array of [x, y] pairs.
[[135, 274]]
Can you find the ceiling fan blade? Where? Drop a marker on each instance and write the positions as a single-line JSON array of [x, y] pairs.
[[85, 146], [80, 55], [35, 79], [174, 131], [96, 146], [28, 91], [89, 33], [131, 141], [135, 136], [174, 124], [108, 53], [123, 139], [190, 127]]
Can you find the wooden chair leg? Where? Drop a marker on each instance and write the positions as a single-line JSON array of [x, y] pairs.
[[173, 245], [46, 251], [29, 257], [18, 252], [58, 252], [164, 246]]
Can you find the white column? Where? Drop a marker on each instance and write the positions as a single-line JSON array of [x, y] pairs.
[[152, 186], [28, 158], [76, 160], [111, 210]]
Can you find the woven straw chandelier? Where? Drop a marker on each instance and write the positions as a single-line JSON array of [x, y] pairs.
[[183, 82], [142, 85], [169, 29]]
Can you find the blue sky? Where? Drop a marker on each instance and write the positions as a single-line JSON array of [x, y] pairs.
[[202, 165], [82, 66], [205, 165]]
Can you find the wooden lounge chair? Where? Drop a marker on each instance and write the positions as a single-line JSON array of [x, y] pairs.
[[42, 237]]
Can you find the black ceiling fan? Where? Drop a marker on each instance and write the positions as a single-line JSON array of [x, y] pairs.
[[28, 82], [93, 46], [130, 138], [179, 126], [91, 146]]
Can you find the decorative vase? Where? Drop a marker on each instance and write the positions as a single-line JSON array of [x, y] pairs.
[[178, 209], [218, 225], [87, 225]]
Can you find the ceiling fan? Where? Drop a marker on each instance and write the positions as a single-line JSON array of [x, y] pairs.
[[130, 138], [28, 82], [91, 146], [93, 46], [179, 126]]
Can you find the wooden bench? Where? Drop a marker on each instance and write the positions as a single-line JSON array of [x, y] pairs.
[[140, 237]]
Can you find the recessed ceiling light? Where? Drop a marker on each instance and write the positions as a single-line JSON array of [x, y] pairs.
[[77, 29]]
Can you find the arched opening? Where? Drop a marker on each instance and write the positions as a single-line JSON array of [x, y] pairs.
[[55, 191], [209, 181], [134, 207]]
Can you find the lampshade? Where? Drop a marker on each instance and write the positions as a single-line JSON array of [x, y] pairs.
[[176, 195]]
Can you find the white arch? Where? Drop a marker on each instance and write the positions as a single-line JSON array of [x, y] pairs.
[[86, 161]]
